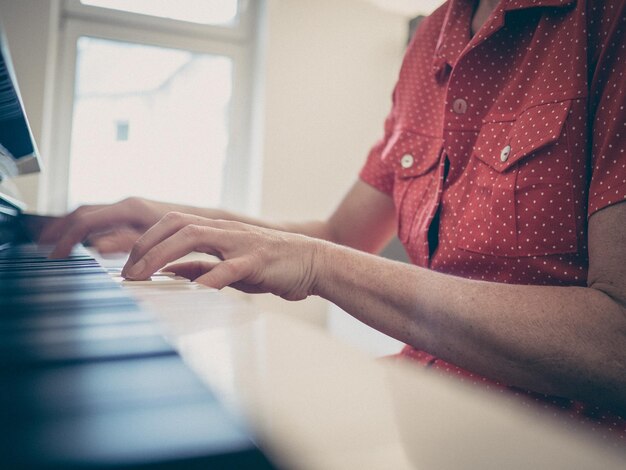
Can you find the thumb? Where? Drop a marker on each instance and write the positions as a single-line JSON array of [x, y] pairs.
[[190, 269], [225, 273]]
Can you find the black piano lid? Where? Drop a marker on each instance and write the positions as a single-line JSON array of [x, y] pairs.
[[18, 151]]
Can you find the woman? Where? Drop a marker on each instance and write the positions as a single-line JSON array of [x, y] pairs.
[[503, 165]]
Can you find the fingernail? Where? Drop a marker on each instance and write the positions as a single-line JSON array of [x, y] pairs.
[[136, 270]]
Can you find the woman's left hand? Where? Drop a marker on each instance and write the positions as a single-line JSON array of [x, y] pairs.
[[251, 259]]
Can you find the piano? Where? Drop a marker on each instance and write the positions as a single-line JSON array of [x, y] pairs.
[[87, 380]]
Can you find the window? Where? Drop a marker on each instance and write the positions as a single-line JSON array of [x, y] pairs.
[[194, 11], [152, 98]]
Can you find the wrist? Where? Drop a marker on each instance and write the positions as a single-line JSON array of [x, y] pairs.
[[321, 264]]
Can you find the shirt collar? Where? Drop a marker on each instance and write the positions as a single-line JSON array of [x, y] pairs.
[[455, 33]]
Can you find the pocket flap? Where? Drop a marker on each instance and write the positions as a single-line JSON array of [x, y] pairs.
[[502, 143], [412, 154]]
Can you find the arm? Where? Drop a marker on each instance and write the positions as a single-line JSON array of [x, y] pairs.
[[116, 227], [363, 220], [568, 341]]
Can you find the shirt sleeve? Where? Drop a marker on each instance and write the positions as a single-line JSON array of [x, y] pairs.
[[608, 105], [377, 172]]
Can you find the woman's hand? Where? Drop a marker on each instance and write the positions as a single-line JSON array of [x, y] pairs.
[[110, 228], [118, 240], [251, 258]]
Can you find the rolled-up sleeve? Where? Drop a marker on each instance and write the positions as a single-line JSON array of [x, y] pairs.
[[608, 103], [376, 171]]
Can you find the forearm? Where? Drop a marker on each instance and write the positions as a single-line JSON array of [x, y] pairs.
[[364, 220], [314, 229], [567, 341]]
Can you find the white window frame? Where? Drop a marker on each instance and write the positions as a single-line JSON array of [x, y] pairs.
[[236, 42]]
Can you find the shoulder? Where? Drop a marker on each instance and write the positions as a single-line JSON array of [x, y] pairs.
[[430, 26], [426, 36]]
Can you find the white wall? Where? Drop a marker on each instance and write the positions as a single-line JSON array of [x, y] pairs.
[[331, 66], [330, 70]]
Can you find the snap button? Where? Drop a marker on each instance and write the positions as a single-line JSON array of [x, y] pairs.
[[504, 154], [459, 106], [407, 161]]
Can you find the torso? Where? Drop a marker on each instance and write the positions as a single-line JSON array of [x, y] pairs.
[[503, 143]]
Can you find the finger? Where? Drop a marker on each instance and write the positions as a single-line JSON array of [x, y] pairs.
[[90, 222], [119, 240], [53, 231], [189, 238], [109, 244], [105, 245], [192, 269], [226, 273], [169, 224]]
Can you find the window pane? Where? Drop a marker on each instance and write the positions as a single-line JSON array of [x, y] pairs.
[[194, 11], [148, 121]]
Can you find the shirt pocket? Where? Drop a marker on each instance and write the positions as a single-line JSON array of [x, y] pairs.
[[414, 158], [519, 193]]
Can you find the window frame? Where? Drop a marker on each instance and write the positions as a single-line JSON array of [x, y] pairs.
[[235, 42]]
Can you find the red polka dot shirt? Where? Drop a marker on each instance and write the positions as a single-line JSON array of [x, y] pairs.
[[500, 146]]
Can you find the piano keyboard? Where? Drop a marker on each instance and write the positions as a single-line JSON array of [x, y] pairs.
[[87, 380]]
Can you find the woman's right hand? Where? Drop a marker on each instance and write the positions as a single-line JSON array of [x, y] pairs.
[[109, 228]]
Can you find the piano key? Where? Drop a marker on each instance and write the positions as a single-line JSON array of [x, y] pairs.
[[81, 305], [37, 348], [45, 268], [41, 267], [195, 432], [7, 256], [56, 284], [41, 250], [6, 259], [97, 386], [61, 297], [86, 379], [52, 272], [36, 262], [85, 310], [73, 320]]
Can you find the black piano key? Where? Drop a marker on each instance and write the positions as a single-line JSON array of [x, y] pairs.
[[48, 347], [79, 305], [32, 261], [78, 311], [45, 285], [96, 386], [36, 263], [78, 271], [43, 259], [15, 252], [196, 433], [108, 316], [33, 249], [23, 271], [113, 294], [86, 379]]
